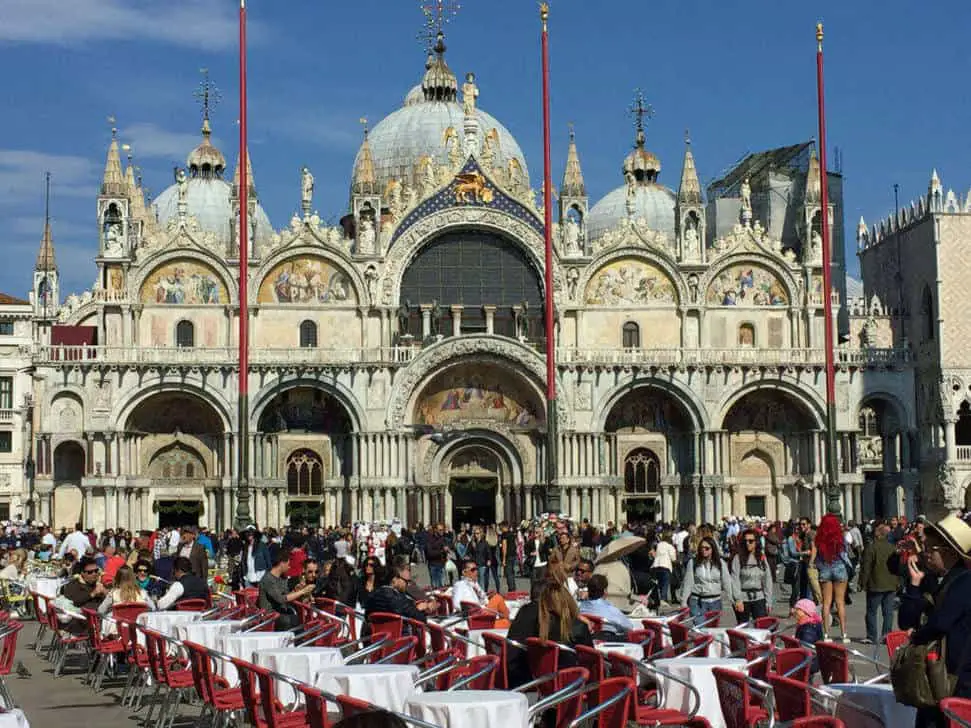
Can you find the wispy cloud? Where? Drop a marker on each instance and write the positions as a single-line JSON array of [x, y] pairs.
[[151, 141], [208, 24], [22, 175], [325, 129]]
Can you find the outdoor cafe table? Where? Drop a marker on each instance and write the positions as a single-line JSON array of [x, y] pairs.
[[877, 699], [698, 672], [206, 632], [14, 718], [243, 645], [386, 686], [721, 648], [475, 635], [470, 708], [627, 649], [300, 663], [47, 586], [166, 621]]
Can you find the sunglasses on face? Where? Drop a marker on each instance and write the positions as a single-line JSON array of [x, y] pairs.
[[141, 571], [88, 572], [472, 570]]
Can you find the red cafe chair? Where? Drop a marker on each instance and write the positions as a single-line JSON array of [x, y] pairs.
[[834, 663], [643, 711], [736, 699], [793, 663], [479, 673], [593, 660], [791, 697], [213, 689], [957, 711], [769, 623], [386, 623], [497, 646], [192, 605], [894, 641], [481, 619]]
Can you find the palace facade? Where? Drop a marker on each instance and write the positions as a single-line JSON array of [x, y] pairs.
[[397, 359]]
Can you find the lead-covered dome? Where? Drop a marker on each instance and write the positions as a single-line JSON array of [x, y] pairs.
[[209, 198], [399, 141], [641, 198]]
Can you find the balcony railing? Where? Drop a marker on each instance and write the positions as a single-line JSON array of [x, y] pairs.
[[6, 415], [398, 355], [964, 453]]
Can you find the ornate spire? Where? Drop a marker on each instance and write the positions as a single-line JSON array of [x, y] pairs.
[[133, 189], [45, 256], [813, 190], [690, 190], [439, 83], [251, 181], [205, 160], [641, 166], [113, 182], [573, 185], [365, 180]]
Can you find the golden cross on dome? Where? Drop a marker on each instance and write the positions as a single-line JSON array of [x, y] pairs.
[[639, 109], [437, 14], [207, 94]]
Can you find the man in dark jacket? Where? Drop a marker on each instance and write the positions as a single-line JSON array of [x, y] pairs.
[[186, 585], [947, 614], [879, 583], [85, 592], [392, 596], [195, 552]]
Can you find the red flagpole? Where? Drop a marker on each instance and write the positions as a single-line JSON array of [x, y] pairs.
[[832, 467], [552, 495], [242, 495]]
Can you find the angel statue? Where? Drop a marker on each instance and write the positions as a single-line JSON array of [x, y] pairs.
[[306, 190]]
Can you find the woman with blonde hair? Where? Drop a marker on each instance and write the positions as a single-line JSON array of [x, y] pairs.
[[124, 590], [554, 616], [16, 565]]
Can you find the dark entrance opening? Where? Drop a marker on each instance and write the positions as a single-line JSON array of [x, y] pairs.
[[473, 501], [178, 513], [642, 509], [304, 513], [875, 480]]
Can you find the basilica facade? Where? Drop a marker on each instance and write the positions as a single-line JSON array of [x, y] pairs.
[[397, 365]]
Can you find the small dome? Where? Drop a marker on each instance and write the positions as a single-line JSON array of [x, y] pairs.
[[209, 200], [205, 160], [653, 203]]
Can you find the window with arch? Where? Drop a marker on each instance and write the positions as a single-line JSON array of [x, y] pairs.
[[868, 422], [305, 474], [962, 428], [642, 473], [631, 335], [927, 314], [746, 335], [308, 335], [185, 334]]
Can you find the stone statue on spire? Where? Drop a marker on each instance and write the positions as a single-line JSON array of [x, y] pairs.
[[470, 92], [306, 190]]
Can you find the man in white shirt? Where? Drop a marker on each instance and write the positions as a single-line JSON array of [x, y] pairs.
[[467, 590], [49, 538], [174, 538], [75, 541]]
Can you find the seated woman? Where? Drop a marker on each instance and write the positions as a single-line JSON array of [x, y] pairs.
[[124, 590], [555, 617]]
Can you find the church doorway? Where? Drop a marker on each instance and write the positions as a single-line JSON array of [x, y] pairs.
[[178, 513], [473, 500]]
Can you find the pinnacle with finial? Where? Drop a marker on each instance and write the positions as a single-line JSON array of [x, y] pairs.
[[689, 191], [45, 255], [438, 13], [208, 97], [573, 185], [365, 180], [639, 109], [113, 181]]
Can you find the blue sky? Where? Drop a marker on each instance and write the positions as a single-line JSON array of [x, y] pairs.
[[741, 76]]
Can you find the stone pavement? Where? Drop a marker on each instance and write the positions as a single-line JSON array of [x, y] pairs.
[[65, 701]]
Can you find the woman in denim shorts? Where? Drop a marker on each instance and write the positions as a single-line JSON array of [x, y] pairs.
[[833, 574]]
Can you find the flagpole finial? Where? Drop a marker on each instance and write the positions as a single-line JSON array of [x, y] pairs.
[[544, 13], [819, 35]]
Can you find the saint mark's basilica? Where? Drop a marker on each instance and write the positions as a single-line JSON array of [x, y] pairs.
[[397, 359]]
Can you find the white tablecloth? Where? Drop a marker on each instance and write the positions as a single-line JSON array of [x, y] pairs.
[[877, 699], [476, 636], [14, 719], [665, 634], [697, 671], [243, 645], [470, 708], [387, 686], [721, 648], [514, 606], [49, 586], [166, 622], [300, 663], [628, 649], [205, 633]]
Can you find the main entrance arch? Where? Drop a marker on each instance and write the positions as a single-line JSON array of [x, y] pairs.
[[772, 443], [69, 465], [653, 431], [306, 449]]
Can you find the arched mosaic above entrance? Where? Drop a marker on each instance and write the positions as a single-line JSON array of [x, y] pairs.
[[630, 281], [471, 393], [747, 285], [305, 409], [307, 279], [647, 409], [185, 282]]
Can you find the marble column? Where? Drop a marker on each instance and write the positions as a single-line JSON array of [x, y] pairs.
[[89, 508], [456, 319], [698, 513], [426, 320], [447, 505], [281, 505], [490, 319]]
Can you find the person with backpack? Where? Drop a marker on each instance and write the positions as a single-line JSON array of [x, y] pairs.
[[936, 605], [795, 553], [750, 591]]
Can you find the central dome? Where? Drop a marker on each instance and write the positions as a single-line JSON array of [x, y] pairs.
[[418, 129], [653, 203]]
